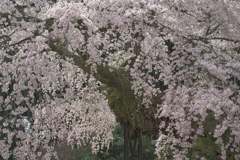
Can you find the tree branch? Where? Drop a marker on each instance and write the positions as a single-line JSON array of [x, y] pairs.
[[110, 76]]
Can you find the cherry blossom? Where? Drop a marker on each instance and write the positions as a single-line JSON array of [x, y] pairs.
[[165, 66]]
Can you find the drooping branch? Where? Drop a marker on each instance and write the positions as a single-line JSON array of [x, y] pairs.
[[109, 76], [121, 98]]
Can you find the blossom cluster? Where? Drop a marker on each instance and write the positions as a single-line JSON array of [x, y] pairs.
[[56, 55]]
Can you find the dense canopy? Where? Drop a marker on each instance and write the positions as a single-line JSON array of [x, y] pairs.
[[165, 66]]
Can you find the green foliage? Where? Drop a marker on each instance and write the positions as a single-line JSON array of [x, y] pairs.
[[115, 151], [65, 152], [206, 146]]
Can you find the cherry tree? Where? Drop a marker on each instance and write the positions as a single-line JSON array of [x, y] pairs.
[[59, 100], [168, 67]]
